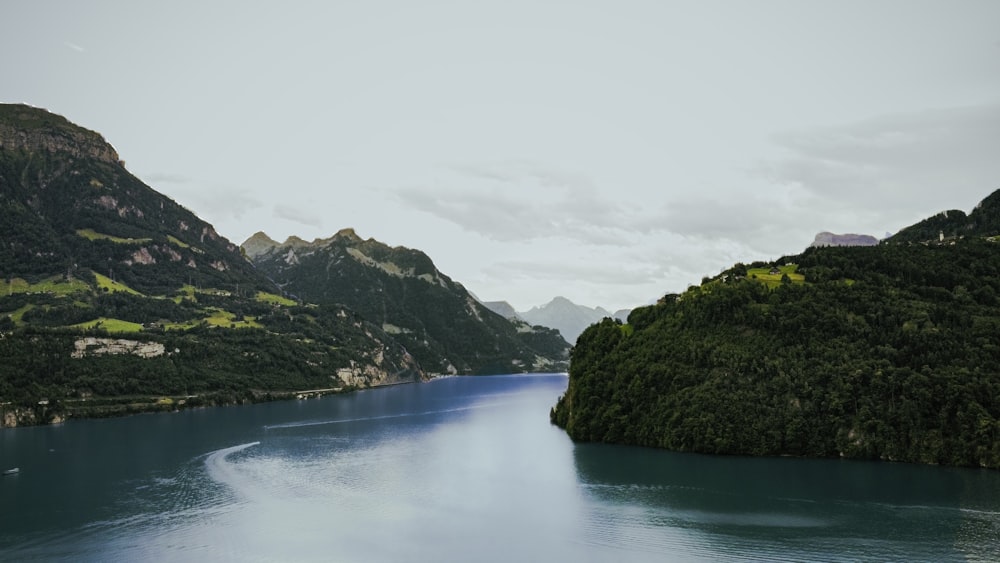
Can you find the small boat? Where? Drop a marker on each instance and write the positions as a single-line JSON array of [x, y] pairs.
[[12, 471]]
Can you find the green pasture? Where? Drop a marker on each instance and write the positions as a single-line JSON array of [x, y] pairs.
[[16, 314], [91, 234], [178, 241], [765, 276], [225, 319], [106, 283], [109, 325], [265, 297], [56, 285]]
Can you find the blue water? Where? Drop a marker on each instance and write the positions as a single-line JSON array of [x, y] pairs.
[[459, 469]]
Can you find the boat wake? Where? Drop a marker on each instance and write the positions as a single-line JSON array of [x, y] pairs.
[[223, 471]]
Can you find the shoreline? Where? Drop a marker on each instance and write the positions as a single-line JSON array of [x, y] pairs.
[[58, 411]]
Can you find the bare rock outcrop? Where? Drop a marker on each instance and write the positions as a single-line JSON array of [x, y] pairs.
[[34, 130], [850, 239]]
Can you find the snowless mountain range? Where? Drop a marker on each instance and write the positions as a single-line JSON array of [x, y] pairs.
[[561, 314]]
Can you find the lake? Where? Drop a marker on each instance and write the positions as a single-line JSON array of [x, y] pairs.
[[458, 469]]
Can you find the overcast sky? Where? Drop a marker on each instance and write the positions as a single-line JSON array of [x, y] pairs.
[[609, 152]]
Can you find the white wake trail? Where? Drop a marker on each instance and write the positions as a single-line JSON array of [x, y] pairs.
[[224, 472]]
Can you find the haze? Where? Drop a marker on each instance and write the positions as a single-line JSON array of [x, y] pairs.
[[609, 152]]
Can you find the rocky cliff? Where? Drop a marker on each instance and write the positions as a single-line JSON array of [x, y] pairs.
[[831, 239], [29, 129]]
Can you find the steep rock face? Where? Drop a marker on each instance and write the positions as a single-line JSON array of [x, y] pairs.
[[92, 346], [830, 239], [400, 290], [23, 127]]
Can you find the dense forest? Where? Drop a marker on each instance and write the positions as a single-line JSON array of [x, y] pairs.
[[115, 298], [88, 251], [399, 288], [887, 352]]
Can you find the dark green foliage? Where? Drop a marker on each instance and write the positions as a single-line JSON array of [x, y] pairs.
[[48, 197], [302, 349], [887, 352], [70, 212], [433, 317], [983, 221]]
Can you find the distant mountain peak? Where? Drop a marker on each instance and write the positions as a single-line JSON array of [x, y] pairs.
[[850, 239], [567, 317], [262, 236], [295, 241], [257, 244], [348, 234]]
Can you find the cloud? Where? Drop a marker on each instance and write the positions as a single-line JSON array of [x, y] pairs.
[[518, 201], [297, 215], [914, 161], [711, 218], [520, 170], [74, 46], [216, 204], [578, 271]]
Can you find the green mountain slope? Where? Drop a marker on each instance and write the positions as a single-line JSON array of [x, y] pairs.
[[434, 317], [886, 352], [983, 221], [88, 250]]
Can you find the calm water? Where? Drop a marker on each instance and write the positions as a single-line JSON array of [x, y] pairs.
[[459, 469]]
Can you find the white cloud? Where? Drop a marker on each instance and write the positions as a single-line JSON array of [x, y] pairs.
[[217, 205], [297, 215], [520, 201], [901, 164]]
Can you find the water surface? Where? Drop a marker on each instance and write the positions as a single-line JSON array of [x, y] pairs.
[[459, 469]]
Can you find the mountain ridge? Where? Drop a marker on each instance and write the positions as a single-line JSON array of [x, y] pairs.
[[121, 300], [436, 318], [567, 317], [878, 352], [827, 238], [32, 129]]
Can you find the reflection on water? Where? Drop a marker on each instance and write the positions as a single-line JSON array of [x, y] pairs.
[[789, 509], [461, 469]]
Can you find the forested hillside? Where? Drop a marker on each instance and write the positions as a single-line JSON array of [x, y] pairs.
[[886, 352], [399, 288], [113, 293]]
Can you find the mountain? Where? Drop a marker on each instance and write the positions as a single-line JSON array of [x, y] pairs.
[[831, 239], [504, 309], [881, 352], [567, 317], [983, 221], [438, 321], [114, 290]]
